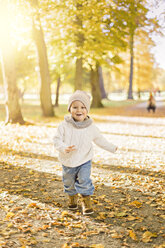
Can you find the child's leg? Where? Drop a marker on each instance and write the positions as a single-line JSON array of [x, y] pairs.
[[77, 180], [83, 183], [69, 177], [85, 187]]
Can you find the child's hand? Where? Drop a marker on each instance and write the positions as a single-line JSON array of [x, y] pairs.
[[70, 149]]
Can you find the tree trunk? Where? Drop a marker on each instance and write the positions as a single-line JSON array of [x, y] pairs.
[[45, 90], [13, 110], [79, 75], [101, 83], [130, 93], [57, 91], [95, 88], [79, 44]]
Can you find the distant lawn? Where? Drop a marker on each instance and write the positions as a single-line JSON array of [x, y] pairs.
[[111, 107], [31, 110], [109, 103]]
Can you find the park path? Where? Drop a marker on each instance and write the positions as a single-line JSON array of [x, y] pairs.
[[140, 110], [144, 104], [129, 199], [159, 103]]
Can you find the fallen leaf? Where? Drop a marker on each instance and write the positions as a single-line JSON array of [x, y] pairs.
[[65, 246], [136, 204], [44, 227], [10, 225], [130, 217], [116, 235], [31, 172], [102, 216], [112, 214], [147, 236], [76, 245], [97, 246], [161, 246], [132, 235], [33, 205], [9, 215], [121, 214]]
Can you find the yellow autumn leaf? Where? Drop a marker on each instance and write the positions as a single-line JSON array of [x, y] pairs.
[[10, 225], [44, 227], [97, 246], [102, 215], [9, 215], [77, 225], [136, 204], [33, 205], [121, 214], [75, 244], [130, 217], [162, 245], [65, 246], [102, 197], [147, 236], [132, 235], [115, 235], [64, 213], [111, 214], [46, 240]]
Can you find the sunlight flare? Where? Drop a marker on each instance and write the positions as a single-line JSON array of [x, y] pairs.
[[15, 24]]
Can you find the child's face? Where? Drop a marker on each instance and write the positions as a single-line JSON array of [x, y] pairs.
[[78, 111]]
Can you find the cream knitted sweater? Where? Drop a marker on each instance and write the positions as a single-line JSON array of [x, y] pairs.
[[67, 135]]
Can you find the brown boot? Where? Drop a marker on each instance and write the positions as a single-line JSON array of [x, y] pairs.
[[87, 205], [73, 202]]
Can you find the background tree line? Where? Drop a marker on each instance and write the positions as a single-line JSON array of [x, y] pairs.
[[80, 42]]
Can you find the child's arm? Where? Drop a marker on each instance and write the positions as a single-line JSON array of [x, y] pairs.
[[58, 141], [103, 142]]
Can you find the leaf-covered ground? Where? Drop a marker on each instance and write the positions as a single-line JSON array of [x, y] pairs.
[[129, 199]]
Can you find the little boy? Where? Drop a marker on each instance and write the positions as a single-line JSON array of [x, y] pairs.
[[73, 140]]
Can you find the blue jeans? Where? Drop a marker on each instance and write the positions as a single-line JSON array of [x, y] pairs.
[[77, 179]]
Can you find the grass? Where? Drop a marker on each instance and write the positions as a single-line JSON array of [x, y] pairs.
[[108, 103], [31, 110]]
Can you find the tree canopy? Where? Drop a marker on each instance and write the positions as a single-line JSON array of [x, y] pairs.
[[72, 39]]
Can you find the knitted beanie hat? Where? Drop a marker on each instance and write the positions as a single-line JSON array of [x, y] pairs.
[[81, 96]]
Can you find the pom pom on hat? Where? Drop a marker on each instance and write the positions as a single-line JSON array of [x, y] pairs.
[[81, 96]]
